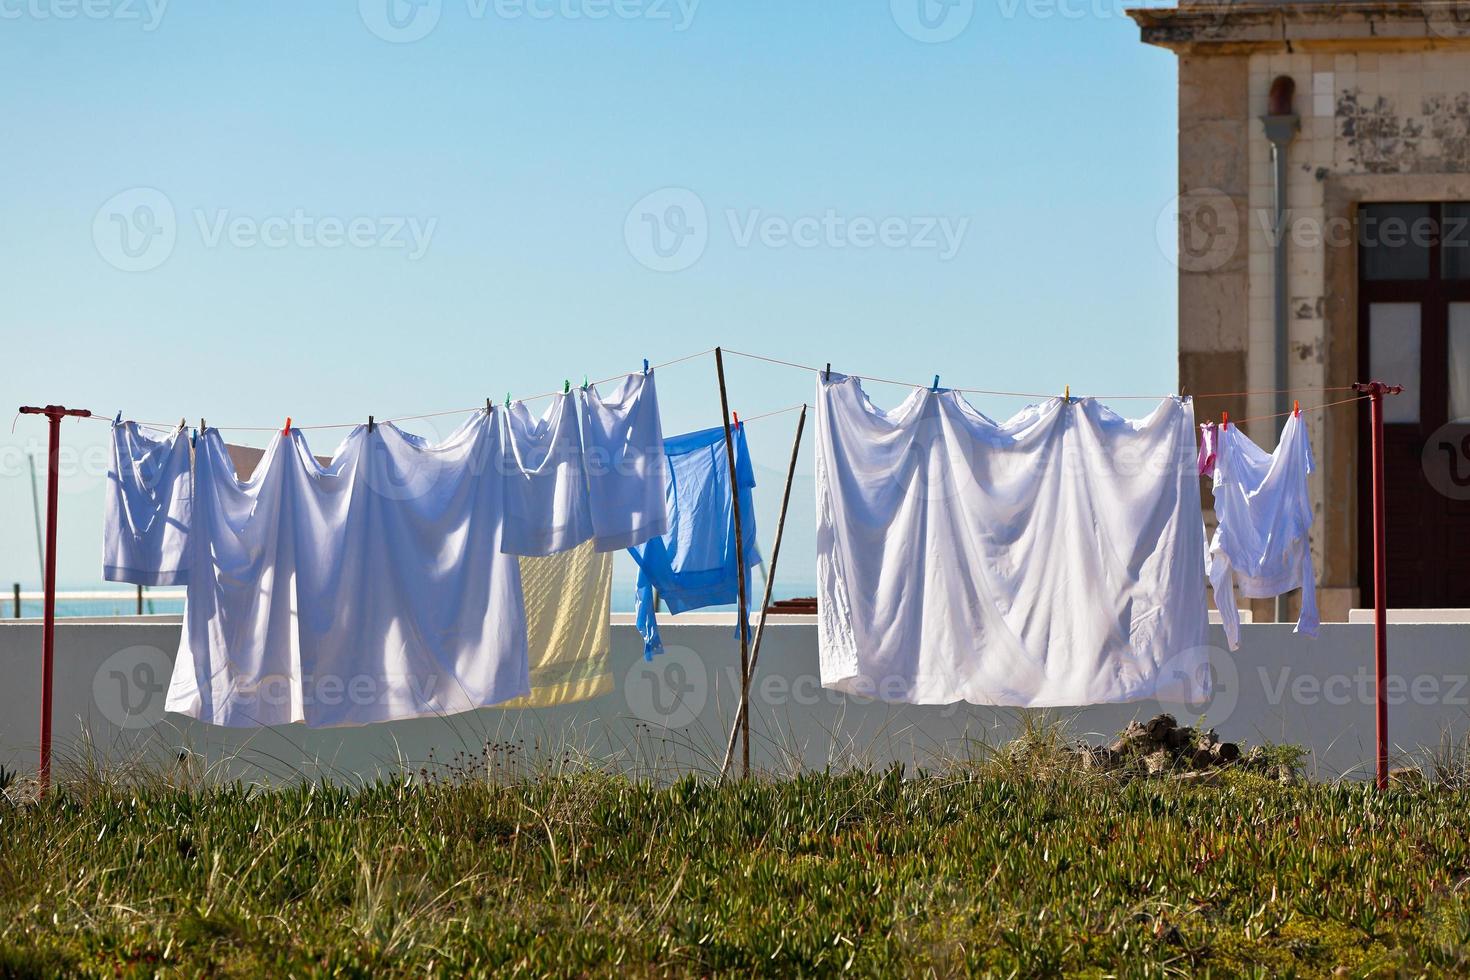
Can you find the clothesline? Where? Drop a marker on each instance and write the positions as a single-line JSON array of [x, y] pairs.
[[1312, 408], [169, 426], [1030, 394]]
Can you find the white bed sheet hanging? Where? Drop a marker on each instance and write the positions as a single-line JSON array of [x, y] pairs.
[[545, 478], [370, 589], [1052, 559]]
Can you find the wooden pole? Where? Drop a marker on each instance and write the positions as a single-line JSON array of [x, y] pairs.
[[140, 600], [739, 550], [742, 717]]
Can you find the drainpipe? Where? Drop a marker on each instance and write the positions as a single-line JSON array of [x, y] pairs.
[[1281, 125]]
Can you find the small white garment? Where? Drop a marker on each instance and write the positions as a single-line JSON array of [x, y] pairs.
[[626, 467], [1052, 559], [567, 626], [1264, 513], [545, 477], [370, 589], [149, 506]]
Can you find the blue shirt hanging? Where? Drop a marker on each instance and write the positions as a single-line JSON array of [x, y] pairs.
[[693, 565]]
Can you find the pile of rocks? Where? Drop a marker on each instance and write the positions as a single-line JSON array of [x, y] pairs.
[[1161, 745]]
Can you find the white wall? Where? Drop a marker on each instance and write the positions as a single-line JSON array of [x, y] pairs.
[[675, 712]]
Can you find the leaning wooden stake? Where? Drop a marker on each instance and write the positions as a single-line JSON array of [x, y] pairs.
[[740, 616], [742, 717]]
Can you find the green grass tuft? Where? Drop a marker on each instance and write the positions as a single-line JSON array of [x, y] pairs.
[[1018, 866]]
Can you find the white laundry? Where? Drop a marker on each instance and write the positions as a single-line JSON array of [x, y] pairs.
[[370, 589], [1264, 513], [545, 477], [148, 508], [1052, 559], [626, 466]]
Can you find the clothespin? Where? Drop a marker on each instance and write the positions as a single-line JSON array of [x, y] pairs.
[[828, 375], [370, 423], [566, 387], [202, 426], [1066, 394], [507, 399], [737, 419], [287, 430], [1224, 420], [118, 420], [1296, 408], [488, 409], [936, 383], [645, 365], [194, 437], [584, 382], [182, 423]]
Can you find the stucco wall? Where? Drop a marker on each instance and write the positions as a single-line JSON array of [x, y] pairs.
[[672, 715]]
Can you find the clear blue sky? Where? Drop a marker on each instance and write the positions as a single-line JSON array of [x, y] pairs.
[[365, 220]]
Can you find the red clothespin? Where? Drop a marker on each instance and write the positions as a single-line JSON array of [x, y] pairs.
[[287, 430], [737, 419], [1224, 420], [1296, 408]]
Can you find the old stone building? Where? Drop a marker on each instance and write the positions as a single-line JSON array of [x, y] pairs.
[[1367, 105]]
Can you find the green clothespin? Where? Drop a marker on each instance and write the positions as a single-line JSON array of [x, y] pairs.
[[507, 399], [584, 382], [566, 387]]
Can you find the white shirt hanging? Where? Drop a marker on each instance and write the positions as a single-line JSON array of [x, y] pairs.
[[1052, 559], [1264, 512], [626, 467], [545, 477], [148, 508], [370, 589]]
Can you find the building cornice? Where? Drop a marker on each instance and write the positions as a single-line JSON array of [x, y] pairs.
[[1351, 25]]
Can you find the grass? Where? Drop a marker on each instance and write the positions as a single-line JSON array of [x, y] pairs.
[[1016, 866]]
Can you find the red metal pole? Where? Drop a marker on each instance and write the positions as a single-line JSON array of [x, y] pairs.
[[54, 413], [1376, 390]]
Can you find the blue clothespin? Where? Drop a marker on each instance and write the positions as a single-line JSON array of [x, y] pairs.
[[936, 383], [193, 437], [645, 365], [118, 420]]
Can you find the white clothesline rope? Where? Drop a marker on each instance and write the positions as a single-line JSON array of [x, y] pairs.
[[170, 426]]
